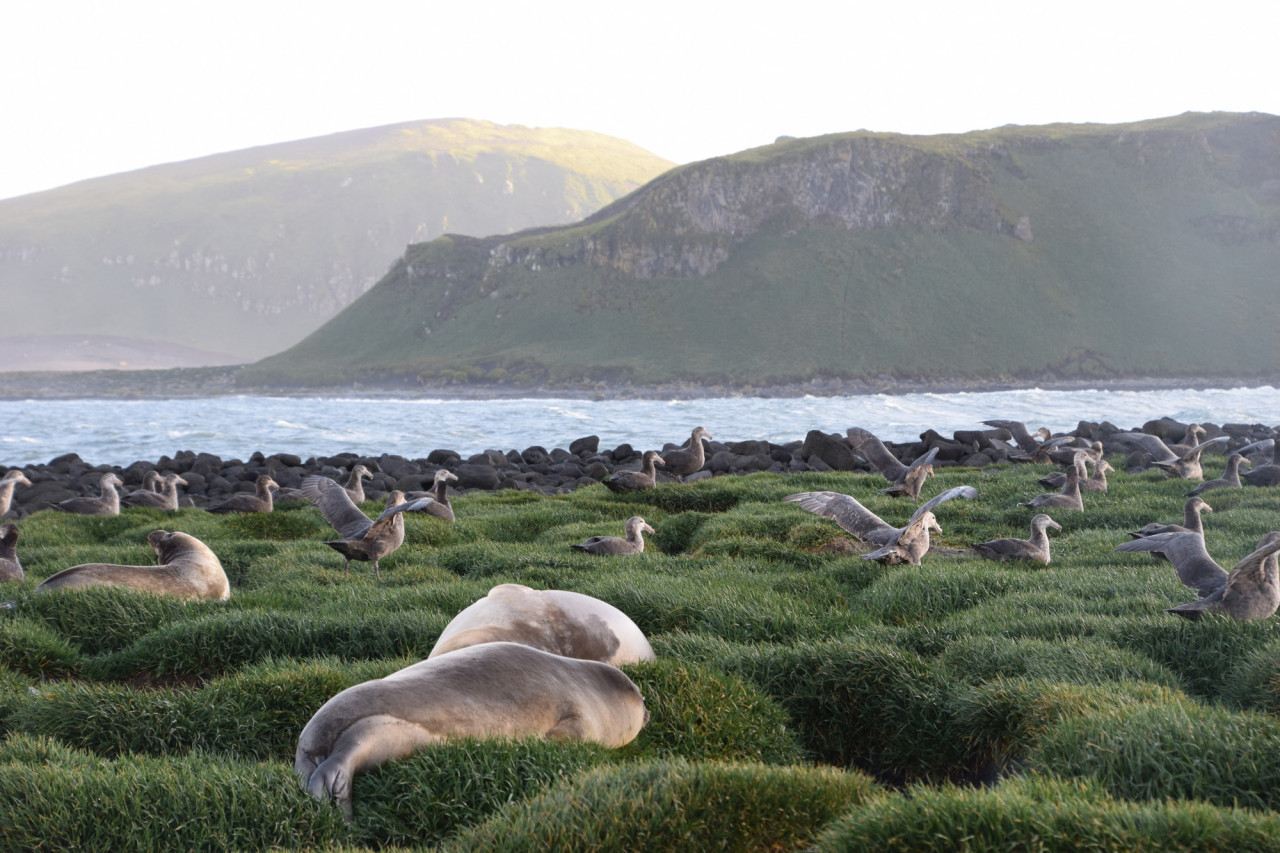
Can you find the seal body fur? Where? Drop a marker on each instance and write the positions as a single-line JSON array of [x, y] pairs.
[[490, 690], [557, 621], [186, 568]]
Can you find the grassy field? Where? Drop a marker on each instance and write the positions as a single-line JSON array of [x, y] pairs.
[[802, 696]]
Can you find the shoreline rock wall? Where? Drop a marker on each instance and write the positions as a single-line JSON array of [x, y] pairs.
[[560, 470]]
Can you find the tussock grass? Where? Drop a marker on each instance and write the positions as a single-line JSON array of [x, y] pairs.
[[674, 805], [1043, 815], [773, 651], [198, 802], [1170, 750]]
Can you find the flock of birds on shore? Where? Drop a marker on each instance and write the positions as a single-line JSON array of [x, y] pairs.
[[1249, 590], [545, 662]]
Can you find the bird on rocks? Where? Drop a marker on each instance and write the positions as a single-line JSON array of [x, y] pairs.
[[436, 500], [260, 501], [688, 458], [8, 483], [107, 503], [165, 498], [1034, 549], [904, 480], [907, 544], [632, 544], [636, 481]]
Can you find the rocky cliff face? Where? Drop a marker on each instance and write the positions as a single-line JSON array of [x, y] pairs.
[[686, 222]]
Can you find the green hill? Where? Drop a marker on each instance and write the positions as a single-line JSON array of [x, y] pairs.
[[245, 253], [1063, 251]]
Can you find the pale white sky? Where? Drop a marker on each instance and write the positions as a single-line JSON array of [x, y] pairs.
[[89, 88]]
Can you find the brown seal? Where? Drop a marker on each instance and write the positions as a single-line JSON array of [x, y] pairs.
[[504, 690], [186, 569], [553, 620]]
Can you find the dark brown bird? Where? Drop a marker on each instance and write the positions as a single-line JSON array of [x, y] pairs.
[[1035, 549], [688, 458], [364, 539], [260, 501], [10, 567], [1069, 497], [633, 544], [636, 481], [107, 503], [1095, 482], [437, 499]]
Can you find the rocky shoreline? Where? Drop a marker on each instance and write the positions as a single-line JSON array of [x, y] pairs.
[[219, 381], [211, 479]]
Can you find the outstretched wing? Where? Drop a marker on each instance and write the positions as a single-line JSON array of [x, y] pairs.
[[336, 506], [844, 510]]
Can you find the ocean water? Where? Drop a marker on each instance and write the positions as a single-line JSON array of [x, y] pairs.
[[114, 432]]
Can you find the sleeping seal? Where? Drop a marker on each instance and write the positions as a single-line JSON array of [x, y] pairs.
[[553, 620], [490, 690], [186, 569]]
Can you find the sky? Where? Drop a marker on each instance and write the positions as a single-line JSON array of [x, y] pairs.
[[90, 88]]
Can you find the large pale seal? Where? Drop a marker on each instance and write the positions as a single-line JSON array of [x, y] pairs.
[[491, 690], [186, 569], [553, 620]]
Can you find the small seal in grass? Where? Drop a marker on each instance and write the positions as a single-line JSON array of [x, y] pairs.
[[553, 620], [633, 544], [493, 690], [10, 567], [186, 568]]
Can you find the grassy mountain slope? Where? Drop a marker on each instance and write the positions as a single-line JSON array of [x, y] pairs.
[[1148, 249], [247, 252]]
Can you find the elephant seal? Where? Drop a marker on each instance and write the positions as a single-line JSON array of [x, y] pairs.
[[492, 690], [185, 568], [10, 565], [553, 620]]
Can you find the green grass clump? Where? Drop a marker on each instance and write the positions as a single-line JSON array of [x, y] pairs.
[[106, 618], [31, 647], [425, 798], [256, 713], [195, 802], [215, 644], [1175, 749], [860, 703], [698, 713], [674, 805], [1043, 815]]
